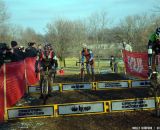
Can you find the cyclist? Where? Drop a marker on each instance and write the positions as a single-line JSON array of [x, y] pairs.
[[46, 58], [153, 49], [88, 55]]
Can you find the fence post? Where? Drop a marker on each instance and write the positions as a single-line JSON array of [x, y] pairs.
[[5, 94]]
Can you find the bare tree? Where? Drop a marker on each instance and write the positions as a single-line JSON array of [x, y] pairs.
[[4, 16]]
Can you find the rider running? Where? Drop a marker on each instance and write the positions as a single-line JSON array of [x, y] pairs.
[[88, 55], [153, 49], [46, 58]]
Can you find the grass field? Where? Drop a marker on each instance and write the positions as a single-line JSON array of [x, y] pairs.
[[100, 65]]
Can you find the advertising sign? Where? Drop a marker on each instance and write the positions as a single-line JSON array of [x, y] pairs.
[[36, 89], [132, 104], [30, 112], [141, 83], [103, 85], [80, 86], [81, 108], [33, 89]]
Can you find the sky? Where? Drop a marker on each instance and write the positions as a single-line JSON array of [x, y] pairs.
[[37, 13]]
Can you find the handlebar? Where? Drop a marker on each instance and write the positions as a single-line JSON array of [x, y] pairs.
[[151, 74], [79, 62]]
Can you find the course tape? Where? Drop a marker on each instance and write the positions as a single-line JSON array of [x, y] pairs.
[[81, 108], [101, 85]]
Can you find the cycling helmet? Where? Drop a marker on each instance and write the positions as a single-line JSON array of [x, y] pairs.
[[84, 46], [47, 46]]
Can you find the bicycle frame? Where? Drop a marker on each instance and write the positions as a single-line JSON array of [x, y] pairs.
[[45, 84], [154, 89], [82, 71]]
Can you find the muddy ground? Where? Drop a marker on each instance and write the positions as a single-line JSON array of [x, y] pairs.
[[111, 121]]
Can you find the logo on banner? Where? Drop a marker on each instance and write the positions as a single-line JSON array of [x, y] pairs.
[[135, 64], [80, 108], [77, 86], [107, 85], [134, 104], [28, 112]]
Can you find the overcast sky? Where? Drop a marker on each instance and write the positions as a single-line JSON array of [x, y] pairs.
[[37, 13]]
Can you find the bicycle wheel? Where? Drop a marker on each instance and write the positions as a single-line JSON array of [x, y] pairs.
[[82, 75], [45, 90]]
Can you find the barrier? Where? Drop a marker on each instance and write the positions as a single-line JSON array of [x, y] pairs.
[[81, 108], [102, 85], [15, 82], [30, 71]]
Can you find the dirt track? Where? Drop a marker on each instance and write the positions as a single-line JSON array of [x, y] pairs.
[[115, 121]]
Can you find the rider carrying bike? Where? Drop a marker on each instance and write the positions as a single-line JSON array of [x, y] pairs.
[[88, 55], [46, 58], [153, 49]]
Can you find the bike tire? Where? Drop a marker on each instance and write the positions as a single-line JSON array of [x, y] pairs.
[[83, 75], [45, 90]]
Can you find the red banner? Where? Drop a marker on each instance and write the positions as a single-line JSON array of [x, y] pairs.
[[30, 71], [136, 63], [1, 94], [15, 82]]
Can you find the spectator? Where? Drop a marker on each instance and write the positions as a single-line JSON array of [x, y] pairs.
[[127, 47], [17, 53], [5, 53], [113, 64], [31, 50]]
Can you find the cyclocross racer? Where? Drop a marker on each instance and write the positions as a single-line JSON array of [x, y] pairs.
[[46, 58], [153, 49], [88, 55]]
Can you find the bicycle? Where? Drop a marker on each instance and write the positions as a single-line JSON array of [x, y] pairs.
[[45, 84], [154, 89], [53, 73], [82, 71]]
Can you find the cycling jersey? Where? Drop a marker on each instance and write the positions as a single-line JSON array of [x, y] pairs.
[[46, 59], [87, 53]]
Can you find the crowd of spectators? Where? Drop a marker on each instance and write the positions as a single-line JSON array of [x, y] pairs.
[[15, 52]]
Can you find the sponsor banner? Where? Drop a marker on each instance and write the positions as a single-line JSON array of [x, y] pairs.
[[141, 83], [36, 89], [33, 89], [30, 112], [136, 63], [135, 104], [112, 84], [76, 86], [1, 94], [15, 82], [81, 108], [55, 88]]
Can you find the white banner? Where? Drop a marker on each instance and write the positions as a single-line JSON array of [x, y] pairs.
[[141, 83], [81, 108], [102, 85], [80, 86], [132, 104], [36, 89], [30, 112]]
